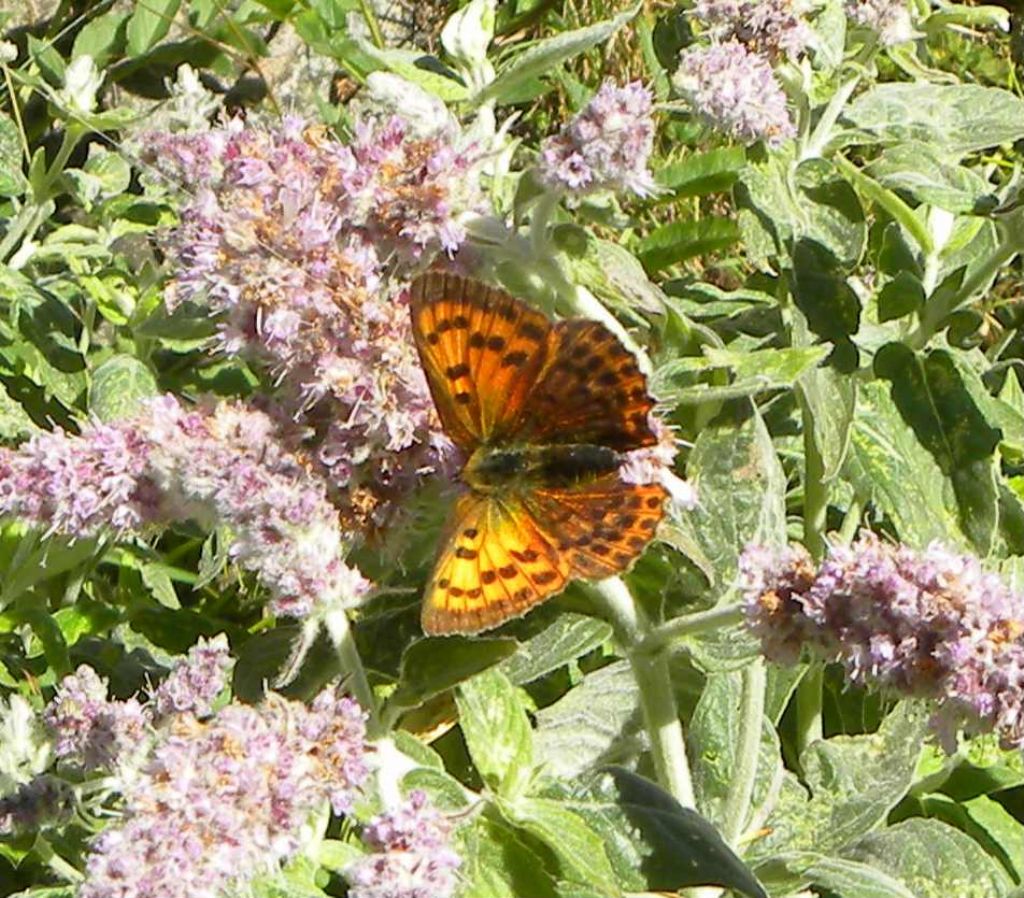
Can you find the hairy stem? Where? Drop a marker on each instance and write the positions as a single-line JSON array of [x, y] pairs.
[[661, 717], [741, 788], [809, 727], [673, 631], [339, 630]]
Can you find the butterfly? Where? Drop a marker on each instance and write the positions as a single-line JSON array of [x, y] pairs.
[[543, 413]]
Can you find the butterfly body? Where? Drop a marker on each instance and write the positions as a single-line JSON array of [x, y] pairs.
[[508, 469], [544, 412]]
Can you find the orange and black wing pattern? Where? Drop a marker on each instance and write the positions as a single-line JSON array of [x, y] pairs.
[[482, 351], [495, 564], [591, 391]]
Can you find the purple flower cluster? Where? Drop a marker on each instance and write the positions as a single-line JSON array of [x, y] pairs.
[[223, 464], [222, 801], [91, 730], [735, 89], [412, 855], [298, 244], [931, 624], [606, 146], [195, 682], [78, 486], [771, 27], [889, 18]]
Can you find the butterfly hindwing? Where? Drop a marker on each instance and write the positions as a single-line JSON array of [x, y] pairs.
[[482, 351], [591, 391], [599, 528], [495, 563]]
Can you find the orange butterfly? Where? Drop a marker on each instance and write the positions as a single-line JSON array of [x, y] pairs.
[[543, 412]]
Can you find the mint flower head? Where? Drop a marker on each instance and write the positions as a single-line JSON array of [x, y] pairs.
[[411, 854], [220, 802], [736, 91], [772, 27], [606, 146], [890, 19], [932, 624], [195, 682]]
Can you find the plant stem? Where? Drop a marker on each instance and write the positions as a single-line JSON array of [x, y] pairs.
[[851, 521], [665, 635], [339, 630], [661, 718], [55, 862], [376, 35], [741, 788], [808, 707], [815, 488]]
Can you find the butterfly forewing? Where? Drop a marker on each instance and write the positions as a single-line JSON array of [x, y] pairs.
[[495, 564], [591, 391], [482, 351]]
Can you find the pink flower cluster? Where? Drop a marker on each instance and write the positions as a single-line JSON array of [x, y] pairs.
[[931, 624], [772, 27], [298, 245], [219, 802], [606, 146], [411, 858], [223, 464]]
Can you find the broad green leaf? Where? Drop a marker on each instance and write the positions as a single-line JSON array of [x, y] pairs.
[[120, 387], [754, 372], [701, 173], [497, 731], [920, 170], [84, 618], [545, 55], [822, 293], [149, 24], [497, 864], [681, 240], [103, 37], [831, 398], [713, 745], [432, 666], [929, 391], [615, 276], [741, 486], [415, 67], [446, 793], [579, 850], [900, 296], [933, 860], [15, 422], [333, 854], [567, 638], [654, 843], [854, 781], [853, 879], [955, 119], [890, 467], [12, 180], [596, 722]]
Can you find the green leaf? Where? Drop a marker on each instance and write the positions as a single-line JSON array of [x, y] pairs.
[[595, 722], [821, 292], [852, 879], [741, 486], [497, 731], [713, 738], [920, 170], [102, 38], [701, 173], [929, 391], [888, 466], [567, 638], [831, 398], [900, 296], [15, 422], [332, 854], [12, 180], [414, 66], [579, 850], [149, 24], [854, 782], [497, 864], [111, 170], [933, 860], [432, 666], [545, 55], [615, 276], [680, 240], [955, 119], [85, 618], [655, 844], [119, 388]]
